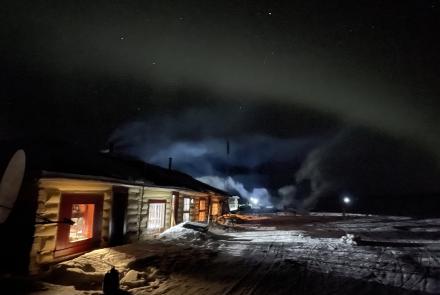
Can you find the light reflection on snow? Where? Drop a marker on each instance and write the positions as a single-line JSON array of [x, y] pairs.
[[414, 266]]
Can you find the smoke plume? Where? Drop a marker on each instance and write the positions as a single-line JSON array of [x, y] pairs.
[[233, 186]]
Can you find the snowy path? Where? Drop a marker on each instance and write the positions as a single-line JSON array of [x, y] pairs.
[[385, 266], [398, 257], [410, 262]]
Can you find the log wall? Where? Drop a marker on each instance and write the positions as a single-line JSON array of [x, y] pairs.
[[152, 193], [133, 211], [49, 198]]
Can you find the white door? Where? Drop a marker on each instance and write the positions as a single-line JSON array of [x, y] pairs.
[[156, 217]]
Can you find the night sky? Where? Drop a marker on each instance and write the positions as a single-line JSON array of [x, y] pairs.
[[342, 95]]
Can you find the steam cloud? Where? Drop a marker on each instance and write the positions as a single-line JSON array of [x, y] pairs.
[[287, 196], [258, 164], [230, 185]]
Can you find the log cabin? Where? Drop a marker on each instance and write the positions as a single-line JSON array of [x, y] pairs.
[[72, 201]]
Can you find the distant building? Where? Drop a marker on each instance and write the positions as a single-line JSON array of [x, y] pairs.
[[233, 203]]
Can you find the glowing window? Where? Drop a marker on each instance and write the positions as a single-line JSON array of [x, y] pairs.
[[186, 204], [202, 204], [202, 216], [82, 216], [215, 208], [186, 209], [156, 216], [202, 210]]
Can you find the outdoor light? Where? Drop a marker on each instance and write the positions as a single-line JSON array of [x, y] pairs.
[[346, 200], [254, 200]]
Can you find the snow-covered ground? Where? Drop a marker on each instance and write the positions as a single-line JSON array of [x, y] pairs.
[[270, 254]]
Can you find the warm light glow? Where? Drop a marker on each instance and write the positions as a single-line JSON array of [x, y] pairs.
[[202, 216], [186, 209], [202, 210], [156, 216], [186, 204], [202, 205], [82, 216], [215, 208]]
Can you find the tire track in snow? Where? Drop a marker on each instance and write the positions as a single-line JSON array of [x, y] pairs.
[[279, 253], [242, 280]]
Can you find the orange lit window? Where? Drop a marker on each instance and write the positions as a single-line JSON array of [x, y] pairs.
[[202, 210], [215, 208], [82, 216], [202, 205]]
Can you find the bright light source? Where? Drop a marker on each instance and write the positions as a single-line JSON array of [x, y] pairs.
[[254, 200], [346, 200]]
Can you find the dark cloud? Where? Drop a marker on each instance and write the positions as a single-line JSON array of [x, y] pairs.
[[174, 79], [255, 159], [367, 163], [373, 64]]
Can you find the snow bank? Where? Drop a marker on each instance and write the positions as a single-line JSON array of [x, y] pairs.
[[186, 231], [349, 239]]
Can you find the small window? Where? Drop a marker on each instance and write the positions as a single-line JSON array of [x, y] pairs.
[[215, 208], [202, 210], [186, 209], [186, 204], [156, 216], [85, 211], [202, 205], [82, 216]]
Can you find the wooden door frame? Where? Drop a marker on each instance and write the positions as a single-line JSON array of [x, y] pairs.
[[206, 210], [63, 245], [118, 216]]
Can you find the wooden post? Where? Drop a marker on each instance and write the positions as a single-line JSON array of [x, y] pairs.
[[209, 208], [175, 207]]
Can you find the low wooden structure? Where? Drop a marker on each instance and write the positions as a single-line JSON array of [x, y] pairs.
[[109, 201]]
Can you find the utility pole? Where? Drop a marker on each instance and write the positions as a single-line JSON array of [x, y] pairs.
[[228, 150]]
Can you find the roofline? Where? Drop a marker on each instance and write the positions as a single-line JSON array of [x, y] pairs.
[[54, 174], [143, 183]]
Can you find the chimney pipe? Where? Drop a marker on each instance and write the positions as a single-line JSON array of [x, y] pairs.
[[170, 163]]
